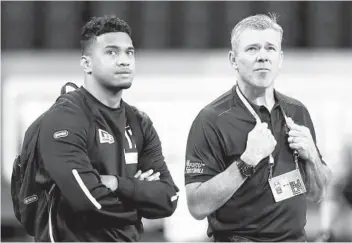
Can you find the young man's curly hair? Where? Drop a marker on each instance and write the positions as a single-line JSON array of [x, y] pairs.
[[101, 25]]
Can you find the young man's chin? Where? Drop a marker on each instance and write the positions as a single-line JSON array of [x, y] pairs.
[[123, 85], [118, 87]]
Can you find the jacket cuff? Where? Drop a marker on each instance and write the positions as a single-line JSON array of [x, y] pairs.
[[125, 186]]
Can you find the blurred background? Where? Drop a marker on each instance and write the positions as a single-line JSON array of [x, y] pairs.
[[182, 65]]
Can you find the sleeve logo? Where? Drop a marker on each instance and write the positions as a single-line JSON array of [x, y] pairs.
[[60, 134], [194, 167], [30, 199]]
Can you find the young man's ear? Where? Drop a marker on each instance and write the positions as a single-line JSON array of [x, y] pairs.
[[232, 59], [86, 64], [281, 59]]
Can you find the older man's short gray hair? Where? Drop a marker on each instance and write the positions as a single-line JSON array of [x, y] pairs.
[[256, 22]]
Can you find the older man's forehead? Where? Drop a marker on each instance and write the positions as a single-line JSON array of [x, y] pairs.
[[253, 36]]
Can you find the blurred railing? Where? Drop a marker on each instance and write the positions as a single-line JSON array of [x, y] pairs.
[[173, 24]]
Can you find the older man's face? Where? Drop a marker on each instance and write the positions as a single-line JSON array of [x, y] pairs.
[[259, 56]]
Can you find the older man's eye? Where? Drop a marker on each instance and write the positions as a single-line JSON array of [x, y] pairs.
[[251, 49]]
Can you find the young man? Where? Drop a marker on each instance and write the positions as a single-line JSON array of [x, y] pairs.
[[103, 188], [251, 158]]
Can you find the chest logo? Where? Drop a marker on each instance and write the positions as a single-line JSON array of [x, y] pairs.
[[105, 137]]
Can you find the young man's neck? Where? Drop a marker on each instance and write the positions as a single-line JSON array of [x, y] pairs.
[[258, 96], [105, 96]]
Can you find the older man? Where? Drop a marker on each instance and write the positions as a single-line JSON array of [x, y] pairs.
[[252, 159]]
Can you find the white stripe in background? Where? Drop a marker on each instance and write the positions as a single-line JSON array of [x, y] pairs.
[[50, 224], [85, 189]]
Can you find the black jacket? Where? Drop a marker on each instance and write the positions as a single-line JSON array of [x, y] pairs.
[[76, 150]]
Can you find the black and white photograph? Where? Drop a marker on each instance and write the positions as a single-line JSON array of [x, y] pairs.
[[176, 121]]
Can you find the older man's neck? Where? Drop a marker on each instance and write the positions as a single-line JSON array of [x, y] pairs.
[[258, 96]]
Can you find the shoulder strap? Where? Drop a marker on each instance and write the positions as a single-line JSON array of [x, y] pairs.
[[63, 89], [78, 99], [135, 126]]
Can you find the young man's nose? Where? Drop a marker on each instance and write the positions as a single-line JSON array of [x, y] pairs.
[[123, 60]]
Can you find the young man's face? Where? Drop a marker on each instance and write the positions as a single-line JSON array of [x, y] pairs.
[[259, 57], [113, 61]]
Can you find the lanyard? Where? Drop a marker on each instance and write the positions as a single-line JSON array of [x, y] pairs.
[[258, 120]]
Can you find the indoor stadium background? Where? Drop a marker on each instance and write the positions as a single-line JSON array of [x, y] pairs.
[[182, 65]]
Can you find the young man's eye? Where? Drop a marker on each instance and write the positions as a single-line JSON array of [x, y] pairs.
[[272, 48], [110, 52], [130, 53], [251, 49]]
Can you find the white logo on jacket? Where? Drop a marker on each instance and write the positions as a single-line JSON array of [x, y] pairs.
[[105, 137], [60, 134]]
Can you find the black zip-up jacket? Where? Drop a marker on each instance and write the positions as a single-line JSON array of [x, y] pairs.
[[75, 153]]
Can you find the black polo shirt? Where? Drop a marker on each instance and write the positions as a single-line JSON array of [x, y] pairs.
[[218, 137]]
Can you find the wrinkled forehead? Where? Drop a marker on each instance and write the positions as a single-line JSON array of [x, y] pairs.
[[118, 39], [256, 36]]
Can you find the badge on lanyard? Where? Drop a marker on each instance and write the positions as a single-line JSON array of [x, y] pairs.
[[286, 185]]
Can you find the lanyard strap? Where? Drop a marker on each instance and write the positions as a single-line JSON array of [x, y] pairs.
[[258, 120]]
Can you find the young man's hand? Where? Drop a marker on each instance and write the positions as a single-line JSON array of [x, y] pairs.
[[147, 176], [109, 181]]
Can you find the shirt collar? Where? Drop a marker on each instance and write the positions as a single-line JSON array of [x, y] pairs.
[[279, 100]]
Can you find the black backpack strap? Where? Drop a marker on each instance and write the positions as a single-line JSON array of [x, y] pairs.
[[70, 84], [78, 99], [133, 121]]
